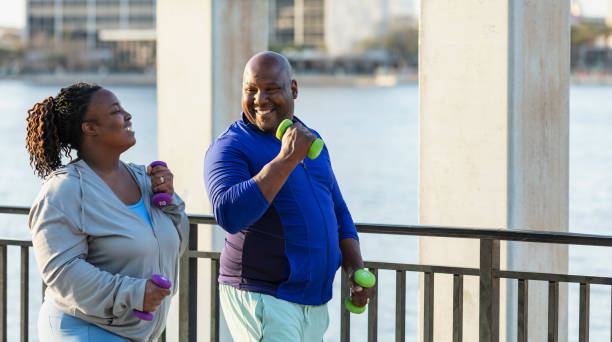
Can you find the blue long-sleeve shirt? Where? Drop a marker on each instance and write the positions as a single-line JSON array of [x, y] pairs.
[[288, 248]]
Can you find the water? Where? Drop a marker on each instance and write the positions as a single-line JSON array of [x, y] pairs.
[[372, 135]]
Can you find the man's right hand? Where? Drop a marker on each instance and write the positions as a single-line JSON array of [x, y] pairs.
[[153, 297], [296, 143]]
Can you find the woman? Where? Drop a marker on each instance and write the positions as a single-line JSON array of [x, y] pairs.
[[97, 238]]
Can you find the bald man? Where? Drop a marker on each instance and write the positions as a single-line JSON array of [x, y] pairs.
[[288, 228]]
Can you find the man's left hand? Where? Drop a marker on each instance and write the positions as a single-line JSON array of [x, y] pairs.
[[359, 294]]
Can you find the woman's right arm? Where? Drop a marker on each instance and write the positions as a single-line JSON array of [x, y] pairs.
[[60, 248]]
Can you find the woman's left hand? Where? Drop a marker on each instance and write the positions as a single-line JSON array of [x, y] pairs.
[[161, 179]]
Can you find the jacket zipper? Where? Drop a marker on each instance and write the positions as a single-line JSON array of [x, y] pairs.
[[314, 194], [159, 262]]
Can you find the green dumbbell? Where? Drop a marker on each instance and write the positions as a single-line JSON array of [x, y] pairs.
[[365, 279], [314, 150]]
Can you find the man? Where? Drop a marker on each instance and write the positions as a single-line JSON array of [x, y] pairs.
[[288, 227]]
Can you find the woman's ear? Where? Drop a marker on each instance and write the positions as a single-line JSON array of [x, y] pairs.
[[89, 128]]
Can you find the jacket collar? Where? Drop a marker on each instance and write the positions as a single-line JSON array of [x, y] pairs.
[[244, 121]]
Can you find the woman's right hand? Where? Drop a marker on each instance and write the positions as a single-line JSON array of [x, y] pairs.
[[153, 297]]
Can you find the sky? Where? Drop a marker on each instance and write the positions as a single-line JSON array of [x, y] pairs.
[[12, 12]]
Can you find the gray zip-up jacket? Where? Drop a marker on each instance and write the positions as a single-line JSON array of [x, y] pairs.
[[95, 254]]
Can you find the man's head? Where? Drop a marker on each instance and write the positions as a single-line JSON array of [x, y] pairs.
[[268, 91]]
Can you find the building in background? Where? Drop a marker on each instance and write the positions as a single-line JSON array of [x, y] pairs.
[[90, 35], [297, 23], [591, 38], [609, 16], [11, 51], [350, 23], [344, 36]]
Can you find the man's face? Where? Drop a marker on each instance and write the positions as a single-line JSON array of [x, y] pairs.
[[267, 96]]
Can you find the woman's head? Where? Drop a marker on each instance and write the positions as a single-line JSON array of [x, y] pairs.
[[82, 117], [54, 126], [107, 127]]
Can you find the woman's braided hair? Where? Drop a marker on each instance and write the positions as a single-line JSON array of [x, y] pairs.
[[54, 126]]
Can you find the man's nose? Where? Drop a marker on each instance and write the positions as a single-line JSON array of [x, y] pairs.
[[261, 97], [128, 116]]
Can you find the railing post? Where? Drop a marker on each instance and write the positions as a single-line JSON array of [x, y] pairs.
[[188, 276], [523, 310], [400, 306], [184, 298], [457, 308], [345, 317], [428, 307], [489, 291], [583, 317], [553, 311], [25, 271], [214, 300], [3, 288], [373, 312]]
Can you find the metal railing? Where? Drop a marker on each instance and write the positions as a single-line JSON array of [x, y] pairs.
[[489, 274]]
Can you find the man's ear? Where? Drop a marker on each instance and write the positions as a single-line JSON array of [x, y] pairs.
[[88, 128], [294, 89]]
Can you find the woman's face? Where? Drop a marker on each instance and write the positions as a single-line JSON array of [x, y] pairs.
[[108, 123]]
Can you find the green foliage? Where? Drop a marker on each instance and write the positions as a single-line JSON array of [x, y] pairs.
[[587, 32], [6, 54], [401, 43], [280, 48]]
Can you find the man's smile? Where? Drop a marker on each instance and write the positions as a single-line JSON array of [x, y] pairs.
[[264, 111]]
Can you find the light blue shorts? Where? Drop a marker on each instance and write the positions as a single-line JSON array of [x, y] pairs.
[[56, 326], [253, 316]]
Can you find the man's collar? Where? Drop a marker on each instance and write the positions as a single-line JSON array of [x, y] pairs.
[[251, 125]]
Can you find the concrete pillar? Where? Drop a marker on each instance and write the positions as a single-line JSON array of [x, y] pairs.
[[58, 15], [609, 16], [494, 145], [91, 24], [298, 22], [202, 47], [124, 14]]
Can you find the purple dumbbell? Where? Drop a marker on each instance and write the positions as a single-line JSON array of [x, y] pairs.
[[160, 199], [160, 281]]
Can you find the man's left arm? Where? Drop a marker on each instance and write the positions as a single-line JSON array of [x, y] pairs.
[[349, 246]]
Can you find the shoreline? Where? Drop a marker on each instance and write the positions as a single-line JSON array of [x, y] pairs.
[[119, 79], [318, 80]]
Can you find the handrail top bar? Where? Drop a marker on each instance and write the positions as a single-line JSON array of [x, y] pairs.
[[14, 210], [506, 234], [435, 231], [15, 242]]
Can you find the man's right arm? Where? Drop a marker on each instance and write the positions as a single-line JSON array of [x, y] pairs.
[[238, 199], [295, 144]]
